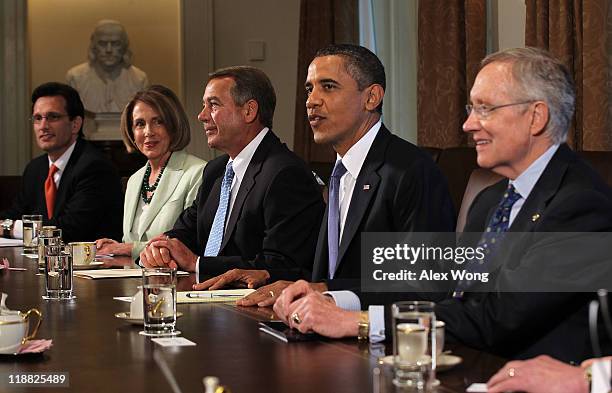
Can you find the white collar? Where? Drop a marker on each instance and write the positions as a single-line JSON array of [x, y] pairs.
[[62, 161], [243, 159], [525, 182], [355, 156]]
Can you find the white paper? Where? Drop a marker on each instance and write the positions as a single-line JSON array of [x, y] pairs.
[[10, 242], [127, 299], [477, 388], [173, 342]]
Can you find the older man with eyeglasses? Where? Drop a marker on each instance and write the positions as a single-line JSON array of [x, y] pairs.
[[72, 185]]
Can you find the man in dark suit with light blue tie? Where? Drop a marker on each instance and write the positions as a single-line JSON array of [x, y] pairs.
[[259, 207]]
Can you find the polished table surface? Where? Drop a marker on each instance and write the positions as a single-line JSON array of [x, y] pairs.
[[102, 353]]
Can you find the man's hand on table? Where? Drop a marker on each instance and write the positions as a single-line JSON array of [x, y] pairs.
[[236, 278], [542, 374], [304, 308], [267, 295]]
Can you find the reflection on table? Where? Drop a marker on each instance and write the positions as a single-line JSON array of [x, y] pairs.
[[103, 353]]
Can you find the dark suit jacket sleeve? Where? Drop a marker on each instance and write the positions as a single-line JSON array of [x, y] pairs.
[[94, 203], [19, 205], [292, 211]]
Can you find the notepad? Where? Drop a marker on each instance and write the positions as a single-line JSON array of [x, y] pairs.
[[114, 273], [219, 296]]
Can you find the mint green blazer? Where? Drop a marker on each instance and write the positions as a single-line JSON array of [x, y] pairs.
[[176, 191]]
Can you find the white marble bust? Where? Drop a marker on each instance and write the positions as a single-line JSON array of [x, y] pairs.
[[108, 80]]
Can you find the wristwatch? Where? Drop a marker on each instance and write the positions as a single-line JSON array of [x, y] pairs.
[[7, 228], [364, 326]]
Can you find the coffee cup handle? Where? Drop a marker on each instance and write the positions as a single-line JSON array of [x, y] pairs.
[[26, 316]]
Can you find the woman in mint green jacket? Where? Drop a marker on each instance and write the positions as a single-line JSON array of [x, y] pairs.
[[154, 123]]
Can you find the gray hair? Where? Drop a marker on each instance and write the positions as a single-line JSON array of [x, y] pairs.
[[541, 77]]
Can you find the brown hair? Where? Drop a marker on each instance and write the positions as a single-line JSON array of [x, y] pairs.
[[251, 83], [169, 108]]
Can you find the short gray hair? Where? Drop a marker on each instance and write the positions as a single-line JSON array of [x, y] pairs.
[[542, 77]]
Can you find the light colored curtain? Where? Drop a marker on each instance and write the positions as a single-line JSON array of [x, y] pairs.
[[389, 29]]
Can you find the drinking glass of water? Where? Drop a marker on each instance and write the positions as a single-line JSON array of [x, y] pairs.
[[159, 301], [414, 345], [31, 228]]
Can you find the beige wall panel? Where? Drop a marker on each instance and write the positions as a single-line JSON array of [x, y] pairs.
[[59, 32], [511, 24], [277, 24]]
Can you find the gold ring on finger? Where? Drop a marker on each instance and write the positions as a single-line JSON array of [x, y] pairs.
[[295, 317]]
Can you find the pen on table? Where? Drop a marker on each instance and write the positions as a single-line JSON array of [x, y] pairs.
[[210, 295], [21, 269]]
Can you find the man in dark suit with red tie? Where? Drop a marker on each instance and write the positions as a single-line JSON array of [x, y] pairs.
[[72, 186]]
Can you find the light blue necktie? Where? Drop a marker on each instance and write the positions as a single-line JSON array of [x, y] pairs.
[[333, 216], [215, 237]]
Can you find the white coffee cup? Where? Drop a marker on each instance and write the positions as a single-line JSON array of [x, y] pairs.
[[83, 253], [136, 307], [440, 326], [14, 330]]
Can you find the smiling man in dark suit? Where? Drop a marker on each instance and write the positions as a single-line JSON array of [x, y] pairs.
[[259, 207], [380, 182], [72, 186], [522, 105]]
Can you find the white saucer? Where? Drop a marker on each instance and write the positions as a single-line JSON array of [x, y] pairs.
[[137, 321], [90, 266], [445, 361]]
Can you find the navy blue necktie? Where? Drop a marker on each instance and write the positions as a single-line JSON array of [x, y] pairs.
[[494, 233], [333, 216], [215, 237]]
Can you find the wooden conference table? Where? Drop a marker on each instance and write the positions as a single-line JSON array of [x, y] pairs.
[[102, 353]]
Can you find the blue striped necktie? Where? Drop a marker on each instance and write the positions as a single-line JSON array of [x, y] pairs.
[[215, 237], [493, 235]]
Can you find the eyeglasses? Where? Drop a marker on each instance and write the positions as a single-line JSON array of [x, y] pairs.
[[483, 111], [51, 117]]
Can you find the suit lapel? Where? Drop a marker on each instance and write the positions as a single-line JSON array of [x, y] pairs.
[[247, 183], [366, 186], [544, 190], [66, 178], [167, 184]]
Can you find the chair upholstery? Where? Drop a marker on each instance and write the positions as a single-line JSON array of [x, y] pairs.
[[457, 164], [601, 161], [479, 180]]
